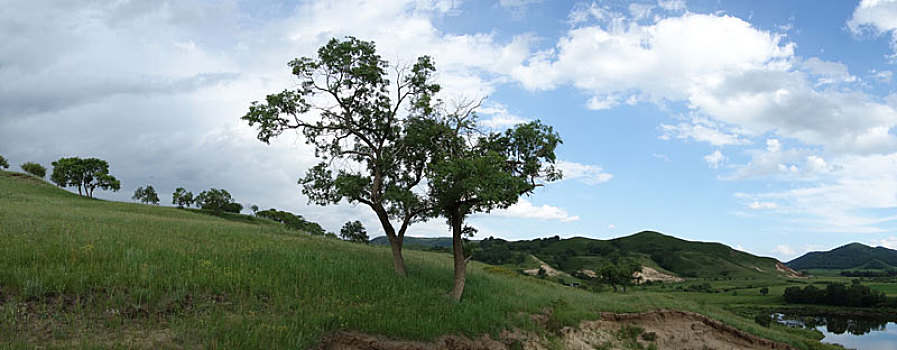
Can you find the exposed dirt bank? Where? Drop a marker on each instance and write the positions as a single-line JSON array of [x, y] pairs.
[[667, 329], [648, 274]]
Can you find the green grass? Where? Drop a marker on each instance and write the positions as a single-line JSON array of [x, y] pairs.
[[89, 273]]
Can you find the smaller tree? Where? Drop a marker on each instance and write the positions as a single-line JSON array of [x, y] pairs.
[[182, 198], [87, 174], [619, 275], [34, 169], [146, 195], [217, 200], [764, 291], [354, 231], [254, 208], [3, 163]]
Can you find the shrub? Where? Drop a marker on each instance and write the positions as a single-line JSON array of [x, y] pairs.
[[763, 320], [35, 169]]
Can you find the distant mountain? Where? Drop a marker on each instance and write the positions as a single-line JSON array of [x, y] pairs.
[[653, 249], [417, 242], [851, 256]]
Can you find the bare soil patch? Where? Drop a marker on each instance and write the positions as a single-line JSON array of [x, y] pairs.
[[666, 329]]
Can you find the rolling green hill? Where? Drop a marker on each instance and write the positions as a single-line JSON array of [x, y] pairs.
[[851, 256], [665, 253], [80, 273]]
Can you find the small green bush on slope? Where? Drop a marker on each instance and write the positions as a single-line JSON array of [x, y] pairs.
[[77, 272]]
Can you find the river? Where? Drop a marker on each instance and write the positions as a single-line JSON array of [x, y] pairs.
[[850, 332]]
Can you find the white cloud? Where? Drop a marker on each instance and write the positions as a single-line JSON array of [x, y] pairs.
[[784, 250], [611, 227], [525, 209], [500, 118], [715, 159], [597, 103], [756, 205], [828, 72], [702, 130], [587, 174], [888, 242], [672, 5], [879, 16], [779, 163]]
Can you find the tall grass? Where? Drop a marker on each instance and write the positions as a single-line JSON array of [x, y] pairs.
[[84, 273]]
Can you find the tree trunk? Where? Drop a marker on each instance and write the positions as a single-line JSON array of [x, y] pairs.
[[398, 261], [394, 242], [458, 252]]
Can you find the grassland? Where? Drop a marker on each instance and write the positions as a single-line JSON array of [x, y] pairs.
[[95, 274]]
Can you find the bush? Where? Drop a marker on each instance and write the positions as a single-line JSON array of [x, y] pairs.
[[764, 291], [763, 320], [35, 169]]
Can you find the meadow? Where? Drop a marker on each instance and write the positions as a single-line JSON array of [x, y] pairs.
[[95, 274]]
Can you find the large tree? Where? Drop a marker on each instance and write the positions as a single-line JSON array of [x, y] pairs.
[[474, 172], [87, 174], [349, 109]]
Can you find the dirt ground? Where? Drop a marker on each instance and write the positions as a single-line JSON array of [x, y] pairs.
[[666, 329]]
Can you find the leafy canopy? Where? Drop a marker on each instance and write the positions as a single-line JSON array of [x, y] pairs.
[[217, 200], [348, 108], [34, 169], [146, 195], [354, 231], [86, 174], [182, 198]]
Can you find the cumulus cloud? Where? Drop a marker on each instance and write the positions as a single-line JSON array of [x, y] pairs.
[[878, 16], [715, 159], [499, 117], [524, 209], [587, 174]]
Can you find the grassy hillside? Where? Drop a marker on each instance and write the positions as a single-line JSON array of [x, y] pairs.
[[851, 256], [90, 273]]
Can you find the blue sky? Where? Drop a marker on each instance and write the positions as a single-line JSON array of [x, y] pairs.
[[765, 125]]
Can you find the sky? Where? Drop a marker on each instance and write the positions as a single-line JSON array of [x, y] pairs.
[[768, 126]]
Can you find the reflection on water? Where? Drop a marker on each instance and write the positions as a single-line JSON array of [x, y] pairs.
[[853, 333]]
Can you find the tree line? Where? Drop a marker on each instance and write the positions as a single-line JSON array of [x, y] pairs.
[[837, 294]]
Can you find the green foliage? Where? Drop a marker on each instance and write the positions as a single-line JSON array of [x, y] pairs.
[[182, 198], [354, 231], [217, 200], [764, 291], [619, 275], [4, 164], [146, 195], [34, 169], [837, 294], [293, 221], [361, 120], [87, 174], [763, 319]]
